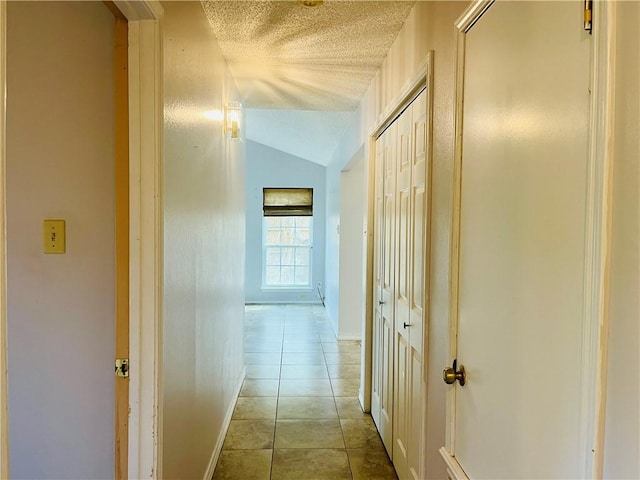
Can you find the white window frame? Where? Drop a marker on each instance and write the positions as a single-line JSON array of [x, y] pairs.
[[266, 286]]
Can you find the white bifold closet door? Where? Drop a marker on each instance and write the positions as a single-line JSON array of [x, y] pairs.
[[399, 266]]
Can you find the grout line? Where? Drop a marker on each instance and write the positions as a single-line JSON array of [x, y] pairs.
[[275, 419], [317, 324]]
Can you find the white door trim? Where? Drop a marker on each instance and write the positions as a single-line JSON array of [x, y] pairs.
[[4, 434], [145, 120], [600, 163], [366, 370], [463, 24], [598, 227], [145, 236]]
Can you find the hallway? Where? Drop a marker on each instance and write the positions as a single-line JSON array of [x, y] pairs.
[[298, 415]]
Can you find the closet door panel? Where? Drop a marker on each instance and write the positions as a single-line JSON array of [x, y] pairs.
[[376, 379], [402, 304], [418, 254]]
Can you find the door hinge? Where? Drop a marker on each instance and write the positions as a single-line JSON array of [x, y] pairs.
[[588, 15], [122, 367]]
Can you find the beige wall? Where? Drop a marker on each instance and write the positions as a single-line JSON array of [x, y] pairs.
[[429, 27], [204, 204], [60, 307], [622, 429]]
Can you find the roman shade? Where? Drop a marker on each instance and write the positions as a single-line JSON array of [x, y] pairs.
[[287, 202]]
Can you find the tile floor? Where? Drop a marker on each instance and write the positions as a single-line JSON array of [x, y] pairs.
[[298, 415]]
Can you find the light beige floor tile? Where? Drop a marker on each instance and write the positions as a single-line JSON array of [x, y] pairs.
[[249, 434], [328, 337], [264, 329], [317, 464], [300, 327], [301, 337], [262, 358], [266, 326], [255, 336], [338, 358], [306, 407], [330, 347], [257, 346], [371, 464], [291, 358], [302, 387], [308, 434], [259, 388], [344, 371], [360, 433], [284, 342], [243, 465], [253, 408], [304, 371], [302, 347], [349, 407], [345, 387], [327, 334], [333, 347], [263, 371], [270, 326], [300, 331]]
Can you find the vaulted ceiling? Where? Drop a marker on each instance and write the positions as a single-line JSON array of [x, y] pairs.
[[290, 60]]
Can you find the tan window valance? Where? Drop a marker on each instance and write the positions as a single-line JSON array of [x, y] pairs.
[[287, 202]]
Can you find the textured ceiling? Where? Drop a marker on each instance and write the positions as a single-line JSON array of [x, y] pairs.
[[287, 56], [310, 135]]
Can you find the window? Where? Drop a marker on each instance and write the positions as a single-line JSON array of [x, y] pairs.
[[287, 251], [287, 238]]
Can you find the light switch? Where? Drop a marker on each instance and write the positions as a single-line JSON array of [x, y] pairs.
[[54, 237]]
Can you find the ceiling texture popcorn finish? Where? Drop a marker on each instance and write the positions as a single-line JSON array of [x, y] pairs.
[[284, 55]]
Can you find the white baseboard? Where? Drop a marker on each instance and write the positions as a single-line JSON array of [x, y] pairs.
[[282, 302], [349, 338], [361, 400], [213, 461]]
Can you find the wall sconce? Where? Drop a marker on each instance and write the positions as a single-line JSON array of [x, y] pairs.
[[232, 119]]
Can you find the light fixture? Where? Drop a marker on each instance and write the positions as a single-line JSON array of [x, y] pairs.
[[310, 3], [232, 119]]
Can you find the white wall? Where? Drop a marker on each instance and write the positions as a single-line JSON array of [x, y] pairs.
[[267, 167], [203, 245], [622, 428], [349, 145], [332, 263], [60, 162], [428, 27], [352, 242]]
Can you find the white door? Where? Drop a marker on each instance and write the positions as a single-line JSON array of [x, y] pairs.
[[401, 340], [417, 272], [376, 367], [410, 221], [382, 390], [521, 264]]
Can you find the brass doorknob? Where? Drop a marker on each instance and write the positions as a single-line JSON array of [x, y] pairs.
[[451, 374]]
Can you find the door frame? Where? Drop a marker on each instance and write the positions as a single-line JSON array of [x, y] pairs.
[[145, 237], [422, 79], [598, 220], [4, 432]]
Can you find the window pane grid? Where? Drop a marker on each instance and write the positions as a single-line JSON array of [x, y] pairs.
[[287, 250]]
